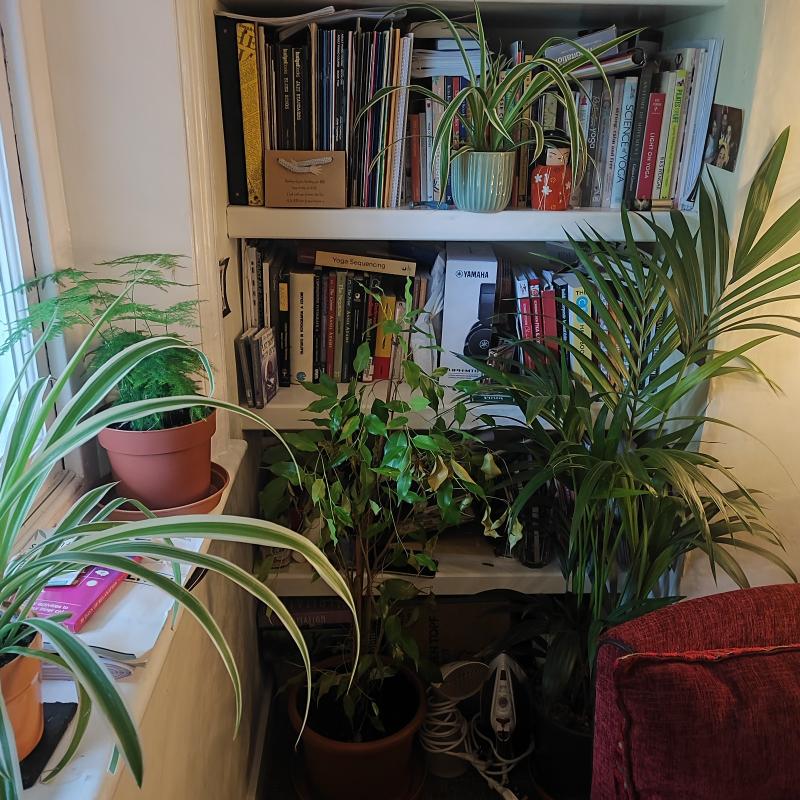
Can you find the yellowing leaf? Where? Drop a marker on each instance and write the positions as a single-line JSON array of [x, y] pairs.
[[489, 468], [460, 472], [439, 476]]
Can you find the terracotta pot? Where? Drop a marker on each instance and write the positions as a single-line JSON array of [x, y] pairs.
[[21, 684], [162, 469], [360, 771]]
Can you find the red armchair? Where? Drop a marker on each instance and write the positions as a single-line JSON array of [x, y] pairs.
[[701, 700]]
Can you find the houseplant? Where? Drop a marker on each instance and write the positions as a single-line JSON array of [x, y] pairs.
[[85, 537], [147, 455], [498, 122], [381, 494], [624, 442]]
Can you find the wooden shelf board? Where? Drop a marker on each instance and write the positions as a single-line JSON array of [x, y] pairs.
[[286, 410], [553, 13], [519, 225], [467, 566]]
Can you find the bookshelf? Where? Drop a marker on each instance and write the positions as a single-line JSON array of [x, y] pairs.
[[286, 410], [467, 566], [553, 13], [399, 224]]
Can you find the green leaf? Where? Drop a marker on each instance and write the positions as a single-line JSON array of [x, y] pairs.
[[304, 441], [362, 359], [317, 490], [350, 427], [374, 425], [424, 442], [419, 403]]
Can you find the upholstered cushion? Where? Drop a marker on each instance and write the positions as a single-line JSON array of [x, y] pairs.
[[710, 724]]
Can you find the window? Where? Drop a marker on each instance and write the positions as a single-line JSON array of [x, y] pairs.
[[16, 259]]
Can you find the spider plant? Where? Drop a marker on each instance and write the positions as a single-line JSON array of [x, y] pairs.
[[500, 95], [86, 537], [641, 490]]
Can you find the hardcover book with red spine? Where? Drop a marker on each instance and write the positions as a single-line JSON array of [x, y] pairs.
[[648, 164], [549, 317], [522, 291]]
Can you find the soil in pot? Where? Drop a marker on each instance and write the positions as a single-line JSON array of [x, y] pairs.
[[379, 766], [562, 759], [20, 679], [163, 468]]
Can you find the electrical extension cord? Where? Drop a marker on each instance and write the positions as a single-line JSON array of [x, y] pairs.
[[446, 732]]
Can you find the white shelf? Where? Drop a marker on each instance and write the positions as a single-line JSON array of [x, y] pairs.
[[518, 225], [286, 412], [467, 566], [578, 13]]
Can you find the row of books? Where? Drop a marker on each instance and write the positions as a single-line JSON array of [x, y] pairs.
[[304, 92], [302, 87], [645, 131], [306, 310]]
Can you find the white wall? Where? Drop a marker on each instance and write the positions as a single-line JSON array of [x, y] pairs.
[[767, 456], [117, 98]]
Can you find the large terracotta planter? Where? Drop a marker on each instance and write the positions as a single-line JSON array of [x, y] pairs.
[[382, 769], [21, 683], [162, 469]]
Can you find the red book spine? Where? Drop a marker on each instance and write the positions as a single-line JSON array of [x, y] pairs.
[[536, 309], [652, 134], [330, 324], [416, 192], [549, 319]]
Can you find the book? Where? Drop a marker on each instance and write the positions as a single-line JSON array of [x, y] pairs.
[[244, 369], [319, 341], [535, 291], [610, 159], [341, 290], [250, 94], [637, 133], [524, 316], [414, 133], [667, 86], [647, 167], [301, 336], [284, 332], [592, 142], [232, 123], [624, 141], [268, 363], [602, 145], [330, 323], [674, 115], [577, 325], [564, 52], [383, 339], [81, 599], [251, 336], [365, 263], [549, 314], [347, 335]]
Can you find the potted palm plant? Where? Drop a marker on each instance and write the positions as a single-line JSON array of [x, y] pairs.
[[498, 123], [162, 459], [381, 493], [639, 492], [85, 536]]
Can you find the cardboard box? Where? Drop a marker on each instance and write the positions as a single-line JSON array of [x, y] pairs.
[[469, 290], [305, 179]]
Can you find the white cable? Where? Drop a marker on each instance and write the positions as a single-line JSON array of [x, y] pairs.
[[446, 732]]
